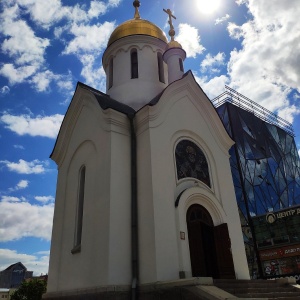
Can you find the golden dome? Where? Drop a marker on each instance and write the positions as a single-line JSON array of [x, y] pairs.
[[173, 44], [137, 26]]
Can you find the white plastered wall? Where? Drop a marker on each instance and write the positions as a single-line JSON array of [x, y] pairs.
[[182, 112], [99, 140]]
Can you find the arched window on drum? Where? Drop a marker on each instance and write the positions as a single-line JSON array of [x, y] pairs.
[[191, 162], [134, 64]]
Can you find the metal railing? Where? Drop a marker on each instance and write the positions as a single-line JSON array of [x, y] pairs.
[[232, 96]]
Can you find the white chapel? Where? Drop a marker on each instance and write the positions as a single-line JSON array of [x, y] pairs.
[[144, 188]]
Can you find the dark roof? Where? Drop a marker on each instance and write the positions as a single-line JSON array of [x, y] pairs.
[[105, 101], [13, 265], [157, 98]]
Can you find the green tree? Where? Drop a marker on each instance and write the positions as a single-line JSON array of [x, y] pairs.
[[30, 290]]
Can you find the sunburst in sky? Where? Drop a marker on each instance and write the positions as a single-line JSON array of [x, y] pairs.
[[208, 6]]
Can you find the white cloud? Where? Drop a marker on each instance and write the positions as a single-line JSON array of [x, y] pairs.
[[37, 223], [17, 74], [65, 85], [114, 3], [4, 90], [212, 61], [21, 43], [189, 38], [235, 31], [27, 50], [269, 55], [37, 263], [46, 126], [221, 20], [26, 167], [87, 44], [93, 75], [97, 8], [89, 38], [19, 147], [47, 13], [10, 199], [288, 113], [214, 86], [44, 199], [240, 2], [42, 80], [46, 252], [22, 184]]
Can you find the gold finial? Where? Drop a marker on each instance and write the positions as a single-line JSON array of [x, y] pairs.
[[171, 31], [136, 4]]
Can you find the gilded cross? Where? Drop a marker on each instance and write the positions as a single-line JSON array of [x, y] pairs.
[[171, 31]]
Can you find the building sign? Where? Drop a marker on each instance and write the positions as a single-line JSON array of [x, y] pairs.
[[280, 252], [278, 229], [278, 241], [272, 217]]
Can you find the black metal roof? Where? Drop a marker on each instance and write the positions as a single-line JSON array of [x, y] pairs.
[[105, 101]]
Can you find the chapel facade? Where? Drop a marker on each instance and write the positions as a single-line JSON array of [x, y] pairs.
[[144, 189]]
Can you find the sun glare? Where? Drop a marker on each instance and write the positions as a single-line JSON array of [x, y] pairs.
[[208, 6]]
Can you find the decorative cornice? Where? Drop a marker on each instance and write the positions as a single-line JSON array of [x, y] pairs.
[[129, 42]]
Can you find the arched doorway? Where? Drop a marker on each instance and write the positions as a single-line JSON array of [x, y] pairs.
[[202, 242], [210, 246]]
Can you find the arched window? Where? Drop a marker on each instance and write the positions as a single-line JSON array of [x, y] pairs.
[[191, 162], [181, 65], [161, 74], [79, 211], [111, 73], [134, 64]]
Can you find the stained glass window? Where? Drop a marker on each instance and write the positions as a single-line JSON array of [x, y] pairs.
[[191, 162]]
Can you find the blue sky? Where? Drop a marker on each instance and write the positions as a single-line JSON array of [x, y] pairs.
[[47, 46]]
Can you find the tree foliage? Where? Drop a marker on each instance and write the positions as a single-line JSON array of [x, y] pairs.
[[30, 290]]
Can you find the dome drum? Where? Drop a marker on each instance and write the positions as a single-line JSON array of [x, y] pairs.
[[135, 91]]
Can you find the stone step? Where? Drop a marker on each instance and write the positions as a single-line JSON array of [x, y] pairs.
[[286, 298], [268, 289], [248, 290], [282, 295]]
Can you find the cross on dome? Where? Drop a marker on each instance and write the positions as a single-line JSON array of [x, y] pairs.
[[136, 5], [171, 31]]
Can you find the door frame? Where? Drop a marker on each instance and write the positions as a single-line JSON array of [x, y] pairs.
[[195, 195]]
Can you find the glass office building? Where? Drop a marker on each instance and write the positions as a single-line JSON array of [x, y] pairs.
[[265, 168]]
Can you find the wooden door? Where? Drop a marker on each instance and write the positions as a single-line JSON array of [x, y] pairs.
[[201, 242], [223, 251], [196, 249]]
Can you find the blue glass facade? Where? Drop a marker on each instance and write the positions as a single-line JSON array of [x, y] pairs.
[[264, 162]]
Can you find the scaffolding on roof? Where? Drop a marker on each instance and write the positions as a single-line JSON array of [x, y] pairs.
[[237, 99]]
